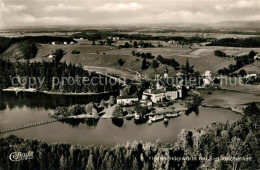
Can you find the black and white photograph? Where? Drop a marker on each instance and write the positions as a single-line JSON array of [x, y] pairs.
[[129, 84]]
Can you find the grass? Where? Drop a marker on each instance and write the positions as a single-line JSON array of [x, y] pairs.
[[202, 58]]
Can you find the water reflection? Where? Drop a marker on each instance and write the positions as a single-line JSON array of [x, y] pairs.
[[40, 100], [75, 122], [119, 122]]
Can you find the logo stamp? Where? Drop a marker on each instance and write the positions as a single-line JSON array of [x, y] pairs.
[[19, 156]]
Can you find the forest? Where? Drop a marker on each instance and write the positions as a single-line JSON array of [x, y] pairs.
[[47, 71], [235, 42], [94, 35], [171, 62], [221, 145]]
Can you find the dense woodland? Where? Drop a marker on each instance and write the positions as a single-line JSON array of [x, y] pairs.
[[46, 71], [171, 62], [234, 42], [94, 35], [203, 148]]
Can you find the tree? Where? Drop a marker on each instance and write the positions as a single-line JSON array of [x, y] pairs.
[[124, 91], [144, 64], [251, 110], [242, 73], [155, 64], [187, 69], [75, 52], [121, 62], [219, 53], [127, 45], [59, 53], [111, 100], [90, 165], [102, 103], [141, 110], [118, 112], [252, 54], [236, 149], [135, 44], [133, 89], [28, 48]]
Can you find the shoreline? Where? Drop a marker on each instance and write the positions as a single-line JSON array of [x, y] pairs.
[[228, 108], [31, 90]]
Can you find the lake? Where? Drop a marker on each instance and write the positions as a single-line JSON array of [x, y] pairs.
[[32, 107]]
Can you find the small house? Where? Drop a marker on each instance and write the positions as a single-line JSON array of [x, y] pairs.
[[51, 56], [208, 74], [257, 56], [127, 100], [251, 74]]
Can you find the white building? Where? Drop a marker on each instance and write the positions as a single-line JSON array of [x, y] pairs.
[[127, 100], [257, 56], [65, 43], [251, 74], [165, 74], [207, 74], [53, 43], [71, 43], [207, 79], [115, 38], [51, 56], [159, 95]]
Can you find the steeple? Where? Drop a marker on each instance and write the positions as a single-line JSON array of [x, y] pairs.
[[165, 75]]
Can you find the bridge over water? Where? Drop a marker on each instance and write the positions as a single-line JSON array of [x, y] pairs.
[[28, 125]]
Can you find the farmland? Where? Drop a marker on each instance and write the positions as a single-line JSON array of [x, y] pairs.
[[95, 56]]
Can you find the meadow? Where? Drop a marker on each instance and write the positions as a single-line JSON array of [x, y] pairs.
[[105, 58]]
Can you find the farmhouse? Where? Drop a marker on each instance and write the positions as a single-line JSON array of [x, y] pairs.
[[251, 74], [207, 79], [257, 56], [115, 38], [51, 56], [207, 74], [127, 100]]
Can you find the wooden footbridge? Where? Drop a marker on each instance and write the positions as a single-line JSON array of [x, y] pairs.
[[28, 125]]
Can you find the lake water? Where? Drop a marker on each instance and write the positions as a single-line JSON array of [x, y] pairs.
[[31, 107]]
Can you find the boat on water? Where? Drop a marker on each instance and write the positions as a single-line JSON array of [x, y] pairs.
[[172, 115], [157, 118]]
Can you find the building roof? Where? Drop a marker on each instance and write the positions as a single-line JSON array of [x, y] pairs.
[[171, 89], [251, 72], [155, 91], [207, 72], [127, 97]]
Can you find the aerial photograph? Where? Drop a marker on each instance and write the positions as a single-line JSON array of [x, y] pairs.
[[129, 84]]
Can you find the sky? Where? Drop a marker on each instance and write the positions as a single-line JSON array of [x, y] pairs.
[[120, 12]]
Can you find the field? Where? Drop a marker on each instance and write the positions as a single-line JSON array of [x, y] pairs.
[[105, 58]]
